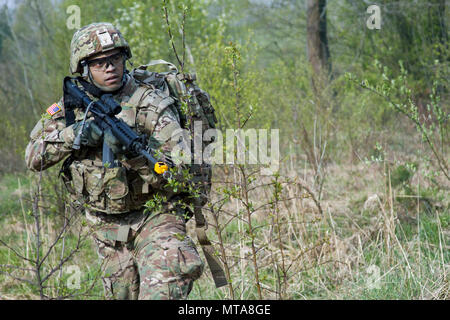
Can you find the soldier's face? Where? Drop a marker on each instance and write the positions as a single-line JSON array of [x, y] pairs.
[[107, 69]]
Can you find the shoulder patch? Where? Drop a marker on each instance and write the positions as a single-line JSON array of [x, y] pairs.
[[53, 109]]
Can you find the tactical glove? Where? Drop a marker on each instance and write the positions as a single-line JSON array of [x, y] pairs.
[[91, 135], [113, 143]]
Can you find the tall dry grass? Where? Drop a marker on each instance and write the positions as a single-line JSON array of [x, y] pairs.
[[277, 241]]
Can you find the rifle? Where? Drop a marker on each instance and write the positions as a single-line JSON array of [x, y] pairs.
[[105, 110]]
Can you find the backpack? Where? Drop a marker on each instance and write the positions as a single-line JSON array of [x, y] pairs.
[[182, 87], [193, 106]]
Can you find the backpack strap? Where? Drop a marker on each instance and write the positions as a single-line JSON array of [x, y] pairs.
[[153, 99], [138, 95], [217, 272]]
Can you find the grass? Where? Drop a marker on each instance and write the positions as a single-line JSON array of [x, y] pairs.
[[363, 253], [362, 247], [10, 194], [19, 234]]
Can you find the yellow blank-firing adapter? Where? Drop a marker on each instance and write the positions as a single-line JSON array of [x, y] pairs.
[[160, 167]]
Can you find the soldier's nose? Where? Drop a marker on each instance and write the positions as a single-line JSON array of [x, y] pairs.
[[110, 66]]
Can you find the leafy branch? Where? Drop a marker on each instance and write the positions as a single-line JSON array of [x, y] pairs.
[[399, 96]]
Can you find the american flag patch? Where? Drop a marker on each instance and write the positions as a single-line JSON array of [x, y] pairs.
[[53, 109]]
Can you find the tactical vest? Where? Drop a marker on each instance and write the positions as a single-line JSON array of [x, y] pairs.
[[127, 187]]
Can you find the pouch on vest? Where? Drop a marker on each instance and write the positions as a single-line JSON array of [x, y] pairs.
[[104, 189]]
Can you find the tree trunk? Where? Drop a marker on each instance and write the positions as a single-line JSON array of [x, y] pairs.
[[318, 52]]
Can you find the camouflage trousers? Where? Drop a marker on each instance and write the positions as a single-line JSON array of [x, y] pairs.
[[155, 260]]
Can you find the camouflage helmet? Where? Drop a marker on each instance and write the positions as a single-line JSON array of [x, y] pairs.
[[93, 39]]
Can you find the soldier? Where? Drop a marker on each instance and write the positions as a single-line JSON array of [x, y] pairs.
[[145, 255]]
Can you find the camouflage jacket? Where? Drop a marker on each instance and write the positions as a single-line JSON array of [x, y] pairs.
[[111, 190]]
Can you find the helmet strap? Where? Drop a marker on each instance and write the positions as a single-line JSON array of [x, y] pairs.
[[85, 67]]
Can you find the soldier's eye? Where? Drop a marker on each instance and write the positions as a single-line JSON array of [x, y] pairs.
[[116, 58], [103, 63], [99, 63]]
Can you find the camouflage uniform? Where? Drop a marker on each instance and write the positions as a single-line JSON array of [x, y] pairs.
[[144, 255]]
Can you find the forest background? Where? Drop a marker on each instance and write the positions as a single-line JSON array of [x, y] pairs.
[[359, 208]]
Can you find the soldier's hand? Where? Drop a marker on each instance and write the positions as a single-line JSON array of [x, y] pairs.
[[91, 136], [113, 143]]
